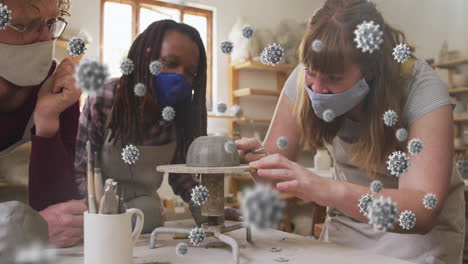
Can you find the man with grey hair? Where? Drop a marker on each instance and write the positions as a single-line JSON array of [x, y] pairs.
[[39, 103]]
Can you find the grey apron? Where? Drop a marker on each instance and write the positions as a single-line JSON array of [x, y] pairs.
[[443, 244], [140, 180]]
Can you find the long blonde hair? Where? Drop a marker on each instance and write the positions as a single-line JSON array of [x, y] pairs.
[[334, 25]]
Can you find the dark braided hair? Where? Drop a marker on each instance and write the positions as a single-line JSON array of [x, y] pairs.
[[132, 116]]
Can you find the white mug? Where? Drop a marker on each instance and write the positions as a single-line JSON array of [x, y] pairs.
[[109, 238]]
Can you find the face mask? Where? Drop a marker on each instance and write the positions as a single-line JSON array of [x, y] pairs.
[[338, 103], [171, 88], [26, 65]]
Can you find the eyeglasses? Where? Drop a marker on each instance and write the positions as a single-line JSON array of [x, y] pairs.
[[56, 26]]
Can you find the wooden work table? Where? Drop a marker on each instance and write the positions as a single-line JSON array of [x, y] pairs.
[[293, 249]]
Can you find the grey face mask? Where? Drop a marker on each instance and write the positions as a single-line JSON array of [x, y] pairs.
[[338, 103]]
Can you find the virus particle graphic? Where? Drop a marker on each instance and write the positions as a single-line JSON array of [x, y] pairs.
[[127, 67], [282, 142], [196, 236], [221, 107], [247, 32], [398, 163], [76, 46], [130, 154], [390, 118], [35, 252], [200, 195], [91, 75], [139, 89], [383, 214], [364, 203], [415, 146], [181, 249], [262, 207], [401, 134], [407, 220], [317, 45], [226, 46], [236, 111], [401, 53], [376, 186], [272, 55], [368, 36], [5, 16], [430, 201], [168, 113], [155, 67], [328, 115], [230, 146]]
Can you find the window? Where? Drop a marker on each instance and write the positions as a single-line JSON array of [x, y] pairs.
[[123, 20]]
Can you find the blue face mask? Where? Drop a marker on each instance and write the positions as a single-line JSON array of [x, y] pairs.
[[171, 88]]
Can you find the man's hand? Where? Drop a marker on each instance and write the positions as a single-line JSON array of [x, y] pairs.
[[65, 222], [57, 93]]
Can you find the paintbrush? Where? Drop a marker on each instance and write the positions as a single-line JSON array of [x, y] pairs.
[[98, 184], [90, 176]]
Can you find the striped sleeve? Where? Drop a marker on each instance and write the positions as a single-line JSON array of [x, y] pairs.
[[427, 92]]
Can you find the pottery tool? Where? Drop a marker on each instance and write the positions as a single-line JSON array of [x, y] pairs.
[[110, 201], [255, 151], [91, 194], [98, 184]]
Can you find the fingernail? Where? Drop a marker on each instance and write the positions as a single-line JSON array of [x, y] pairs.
[[253, 163]]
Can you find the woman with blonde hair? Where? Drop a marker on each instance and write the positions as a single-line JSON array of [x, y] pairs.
[[383, 115]]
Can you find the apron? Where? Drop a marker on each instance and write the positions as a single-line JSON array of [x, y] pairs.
[[443, 244], [140, 180]]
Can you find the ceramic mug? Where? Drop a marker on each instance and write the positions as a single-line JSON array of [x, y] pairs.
[[109, 238]]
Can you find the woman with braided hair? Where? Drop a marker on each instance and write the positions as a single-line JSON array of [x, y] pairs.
[[164, 74]]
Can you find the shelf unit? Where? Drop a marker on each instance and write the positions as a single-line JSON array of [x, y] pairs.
[[452, 67], [235, 92]]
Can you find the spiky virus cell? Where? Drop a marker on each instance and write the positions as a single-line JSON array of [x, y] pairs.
[[317, 45], [390, 118], [272, 55], [401, 134], [127, 66], [247, 32], [155, 67], [328, 115], [181, 249], [91, 75], [376, 186], [368, 37], [197, 235], [226, 46], [407, 220], [5, 16], [383, 214], [415, 146], [262, 207], [76, 46], [282, 142], [230, 147], [401, 53], [364, 203], [221, 107], [430, 201], [139, 89], [200, 195], [235, 110], [130, 154], [398, 163], [168, 113]]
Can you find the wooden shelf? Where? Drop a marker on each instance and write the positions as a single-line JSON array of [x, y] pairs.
[[451, 63], [257, 65], [461, 118], [461, 149], [458, 90], [241, 119], [250, 91]]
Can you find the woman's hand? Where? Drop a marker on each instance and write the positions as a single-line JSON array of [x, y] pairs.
[[293, 178], [245, 147]]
